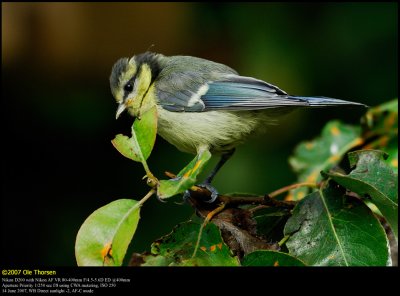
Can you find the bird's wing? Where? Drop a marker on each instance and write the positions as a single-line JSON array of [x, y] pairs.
[[246, 93], [193, 93]]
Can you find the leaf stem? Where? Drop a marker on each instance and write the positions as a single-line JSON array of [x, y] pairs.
[[209, 216], [147, 170], [290, 187], [146, 197], [283, 240]]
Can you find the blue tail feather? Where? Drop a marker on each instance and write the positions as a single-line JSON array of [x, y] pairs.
[[325, 101]]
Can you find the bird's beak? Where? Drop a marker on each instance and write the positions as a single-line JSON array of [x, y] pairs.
[[121, 108]]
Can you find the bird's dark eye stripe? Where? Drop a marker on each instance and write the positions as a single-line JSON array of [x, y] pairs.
[[128, 87]]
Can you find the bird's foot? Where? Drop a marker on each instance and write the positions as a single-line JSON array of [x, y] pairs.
[[205, 185], [212, 189]]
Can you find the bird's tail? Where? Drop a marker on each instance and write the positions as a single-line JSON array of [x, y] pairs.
[[326, 102]]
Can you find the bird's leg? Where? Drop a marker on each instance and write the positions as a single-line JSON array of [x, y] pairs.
[[207, 182], [221, 162]]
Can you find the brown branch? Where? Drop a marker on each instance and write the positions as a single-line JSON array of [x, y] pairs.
[[237, 225], [266, 200]]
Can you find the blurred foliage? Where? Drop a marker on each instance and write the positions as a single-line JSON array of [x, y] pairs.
[[56, 60], [379, 130], [322, 153]]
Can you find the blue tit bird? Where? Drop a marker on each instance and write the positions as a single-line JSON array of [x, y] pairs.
[[203, 105]]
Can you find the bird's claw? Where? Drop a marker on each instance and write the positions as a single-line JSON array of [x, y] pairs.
[[209, 187], [160, 199], [185, 198], [213, 191]]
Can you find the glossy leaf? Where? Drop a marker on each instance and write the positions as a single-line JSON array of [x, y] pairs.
[[104, 237], [177, 247], [139, 146], [186, 177], [372, 177], [328, 228], [311, 157], [270, 258]]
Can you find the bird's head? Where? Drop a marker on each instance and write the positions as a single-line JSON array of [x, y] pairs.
[[131, 79]]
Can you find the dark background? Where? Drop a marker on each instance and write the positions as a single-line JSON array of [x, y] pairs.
[[58, 115]]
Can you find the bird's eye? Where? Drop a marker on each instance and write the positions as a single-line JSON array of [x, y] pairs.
[[128, 87]]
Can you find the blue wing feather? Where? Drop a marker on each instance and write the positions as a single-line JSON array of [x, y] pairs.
[[246, 93]]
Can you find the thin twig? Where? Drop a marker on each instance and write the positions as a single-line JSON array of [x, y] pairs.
[[268, 202], [146, 197], [170, 175], [270, 198], [209, 216], [290, 187]]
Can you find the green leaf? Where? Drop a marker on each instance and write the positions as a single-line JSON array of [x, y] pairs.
[[104, 237], [270, 258], [371, 176], [322, 153], [177, 247], [139, 146], [186, 177], [328, 228]]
